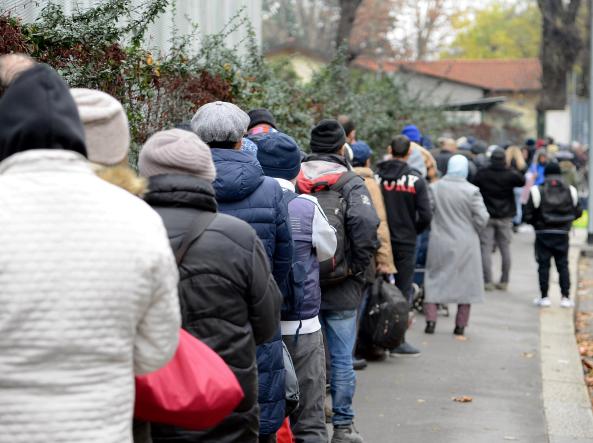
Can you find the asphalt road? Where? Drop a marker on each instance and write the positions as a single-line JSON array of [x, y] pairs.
[[498, 366]]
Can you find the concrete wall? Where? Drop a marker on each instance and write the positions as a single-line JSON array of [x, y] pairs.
[[210, 16], [558, 125], [524, 103], [305, 67], [435, 91]]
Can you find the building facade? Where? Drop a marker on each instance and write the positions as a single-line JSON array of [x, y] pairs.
[[182, 17]]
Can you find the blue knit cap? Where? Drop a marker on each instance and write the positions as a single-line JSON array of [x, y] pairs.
[[361, 152], [413, 133], [279, 155]]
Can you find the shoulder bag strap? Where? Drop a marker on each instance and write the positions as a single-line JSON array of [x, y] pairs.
[[196, 230]]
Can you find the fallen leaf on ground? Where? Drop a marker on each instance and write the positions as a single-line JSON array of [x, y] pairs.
[[528, 354], [461, 337], [463, 399], [509, 437], [420, 401]]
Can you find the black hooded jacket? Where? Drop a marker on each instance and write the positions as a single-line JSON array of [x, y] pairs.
[[37, 111], [228, 296], [406, 201], [496, 183]]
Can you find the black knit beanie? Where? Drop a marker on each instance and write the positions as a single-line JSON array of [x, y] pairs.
[[327, 137], [552, 168], [259, 116]]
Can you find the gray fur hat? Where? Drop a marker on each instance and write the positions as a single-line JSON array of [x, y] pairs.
[[220, 122]]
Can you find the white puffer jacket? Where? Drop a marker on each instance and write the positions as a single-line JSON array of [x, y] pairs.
[[88, 297]]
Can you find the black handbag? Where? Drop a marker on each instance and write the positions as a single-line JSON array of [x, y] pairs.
[[385, 319]]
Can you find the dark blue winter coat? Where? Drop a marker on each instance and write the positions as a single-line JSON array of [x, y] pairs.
[[243, 191]]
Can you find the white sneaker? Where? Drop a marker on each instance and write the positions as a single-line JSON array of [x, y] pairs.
[[542, 302], [566, 303]]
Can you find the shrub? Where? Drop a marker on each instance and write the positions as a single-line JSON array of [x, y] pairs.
[[103, 48]]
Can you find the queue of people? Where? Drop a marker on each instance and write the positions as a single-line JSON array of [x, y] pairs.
[[231, 232]]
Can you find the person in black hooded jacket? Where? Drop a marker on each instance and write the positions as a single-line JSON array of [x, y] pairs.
[[229, 298], [551, 209], [408, 214], [497, 182]]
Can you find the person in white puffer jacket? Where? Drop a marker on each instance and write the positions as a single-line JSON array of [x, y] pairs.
[[88, 281]]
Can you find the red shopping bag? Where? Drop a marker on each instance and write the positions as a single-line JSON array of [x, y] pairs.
[[195, 390], [284, 434]]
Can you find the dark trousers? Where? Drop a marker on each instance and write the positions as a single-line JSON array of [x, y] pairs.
[[546, 247], [462, 318], [404, 257], [308, 357]]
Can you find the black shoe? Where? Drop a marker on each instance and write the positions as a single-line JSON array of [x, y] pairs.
[[458, 330], [430, 326], [358, 364]]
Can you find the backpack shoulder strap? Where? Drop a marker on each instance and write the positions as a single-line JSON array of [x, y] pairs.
[[536, 196], [344, 179], [197, 228], [575, 195]]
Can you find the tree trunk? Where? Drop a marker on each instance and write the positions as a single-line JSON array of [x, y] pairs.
[[348, 10], [560, 47]]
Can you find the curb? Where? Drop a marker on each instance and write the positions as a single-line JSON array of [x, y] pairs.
[[567, 407]]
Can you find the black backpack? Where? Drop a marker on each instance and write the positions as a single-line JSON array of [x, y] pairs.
[[333, 203], [557, 205], [385, 319]]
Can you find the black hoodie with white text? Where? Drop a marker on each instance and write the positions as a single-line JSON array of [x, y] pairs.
[[406, 201]]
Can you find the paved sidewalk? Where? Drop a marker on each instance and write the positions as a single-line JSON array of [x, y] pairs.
[[410, 400]]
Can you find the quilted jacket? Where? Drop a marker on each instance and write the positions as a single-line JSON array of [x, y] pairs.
[[229, 299], [243, 192], [89, 298]]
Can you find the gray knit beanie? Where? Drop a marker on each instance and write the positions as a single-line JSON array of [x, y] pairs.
[[105, 126], [176, 151], [220, 122]]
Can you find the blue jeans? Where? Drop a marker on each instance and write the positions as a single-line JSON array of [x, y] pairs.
[[339, 328]]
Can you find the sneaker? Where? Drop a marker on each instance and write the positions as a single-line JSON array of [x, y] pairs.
[[542, 302], [566, 303], [346, 434], [430, 327], [489, 287], [502, 286], [404, 350], [459, 330]]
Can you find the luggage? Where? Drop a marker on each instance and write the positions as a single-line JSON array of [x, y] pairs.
[[385, 319]]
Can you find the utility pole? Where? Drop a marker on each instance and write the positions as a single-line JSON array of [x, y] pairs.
[[590, 150]]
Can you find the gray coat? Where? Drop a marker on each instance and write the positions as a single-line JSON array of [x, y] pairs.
[[454, 262]]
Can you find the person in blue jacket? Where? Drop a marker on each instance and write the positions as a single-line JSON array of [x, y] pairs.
[[244, 192]]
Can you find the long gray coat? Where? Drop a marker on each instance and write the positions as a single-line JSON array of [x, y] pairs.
[[454, 261]]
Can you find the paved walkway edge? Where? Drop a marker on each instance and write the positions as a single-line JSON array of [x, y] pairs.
[[567, 407]]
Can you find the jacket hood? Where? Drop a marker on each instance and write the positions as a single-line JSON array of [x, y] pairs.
[[180, 190], [37, 111], [238, 174], [394, 169], [319, 171]]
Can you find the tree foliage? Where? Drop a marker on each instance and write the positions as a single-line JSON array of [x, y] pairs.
[[100, 49], [502, 30]]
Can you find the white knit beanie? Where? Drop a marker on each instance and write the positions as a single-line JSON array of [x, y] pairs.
[[105, 126], [220, 122], [176, 151]]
